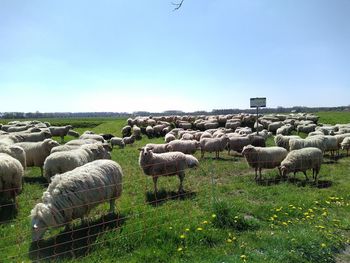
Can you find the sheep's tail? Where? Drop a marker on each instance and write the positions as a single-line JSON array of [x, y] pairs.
[[191, 161]]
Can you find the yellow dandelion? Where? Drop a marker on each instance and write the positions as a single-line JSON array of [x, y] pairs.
[[205, 222], [324, 213], [316, 202], [170, 227], [323, 245], [327, 202], [320, 227], [285, 223], [278, 209], [272, 218], [179, 249], [199, 229], [306, 213], [229, 240], [310, 210], [213, 215], [187, 230], [243, 257], [275, 216], [182, 236], [236, 217]]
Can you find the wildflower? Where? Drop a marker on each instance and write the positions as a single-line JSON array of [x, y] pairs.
[[199, 229], [310, 210], [275, 216], [285, 223], [205, 222], [320, 227], [327, 202], [324, 213], [213, 215], [236, 217], [187, 230], [182, 236], [170, 227], [272, 218], [229, 240], [316, 202], [179, 249], [323, 245], [278, 209], [244, 258]]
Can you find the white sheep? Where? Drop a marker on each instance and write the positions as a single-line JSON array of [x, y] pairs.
[[117, 141], [165, 164], [11, 174], [60, 162], [92, 136], [264, 157], [136, 131], [129, 140], [302, 160], [16, 152], [184, 146], [216, 145], [73, 194], [283, 140], [60, 131], [36, 152], [345, 145], [159, 148], [313, 141], [73, 134], [169, 137], [285, 129]]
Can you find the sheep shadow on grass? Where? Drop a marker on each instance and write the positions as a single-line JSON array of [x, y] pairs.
[[36, 180], [163, 196], [76, 242], [296, 181], [8, 211]]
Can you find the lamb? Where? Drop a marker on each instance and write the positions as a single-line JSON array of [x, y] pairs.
[[216, 145], [314, 141], [73, 194], [259, 157], [11, 174], [15, 152], [345, 144], [36, 152], [184, 146], [117, 141], [60, 162], [159, 148], [169, 137], [301, 160], [165, 164], [60, 131]]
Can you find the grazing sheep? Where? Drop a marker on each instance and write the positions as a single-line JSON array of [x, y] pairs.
[[92, 136], [129, 140], [236, 143], [149, 131], [60, 162], [73, 194], [126, 131], [63, 148], [314, 141], [187, 137], [259, 157], [306, 128], [60, 131], [345, 144], [302, 160], [315, 133], [158, 129], [73, 134], [283, 140], [16, 152], [36, 152], [169, 137], [11, 174], [31, 137], [285, 129], [117, 141], [136, 131], [216, 145], [184, 146], [274, 126], [159, 148], [165, 164]]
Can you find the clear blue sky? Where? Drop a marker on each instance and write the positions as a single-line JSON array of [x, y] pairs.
[[128, 55]]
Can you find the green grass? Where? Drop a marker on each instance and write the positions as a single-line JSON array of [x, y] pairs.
[[225, 215]]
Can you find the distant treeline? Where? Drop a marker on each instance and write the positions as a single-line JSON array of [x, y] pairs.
[[37, 115]]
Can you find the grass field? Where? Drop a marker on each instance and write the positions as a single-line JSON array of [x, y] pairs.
[[225, 216]]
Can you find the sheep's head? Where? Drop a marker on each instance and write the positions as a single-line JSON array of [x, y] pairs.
[[146, 152], [50, 143], [284, 170], [40, 214], [247, 149], [47, 134]]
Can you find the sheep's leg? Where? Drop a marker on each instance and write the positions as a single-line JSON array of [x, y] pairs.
[[256, 173], [112, 206], [62, 139], [307, 179], [181, 177], [202, 153], [260, 173], [155, 178]]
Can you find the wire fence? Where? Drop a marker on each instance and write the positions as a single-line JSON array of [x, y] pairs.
[[74, 228]]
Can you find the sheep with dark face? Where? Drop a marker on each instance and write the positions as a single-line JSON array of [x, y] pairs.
[[165, 164]]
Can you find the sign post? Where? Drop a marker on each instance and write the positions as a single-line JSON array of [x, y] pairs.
[[257, 103]]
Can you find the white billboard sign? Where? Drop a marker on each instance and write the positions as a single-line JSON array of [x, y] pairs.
[[257, 102]]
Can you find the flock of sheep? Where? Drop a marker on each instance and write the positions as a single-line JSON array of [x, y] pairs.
[[81, 174]]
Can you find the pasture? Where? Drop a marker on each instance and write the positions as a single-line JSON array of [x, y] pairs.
[[224, 215]]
